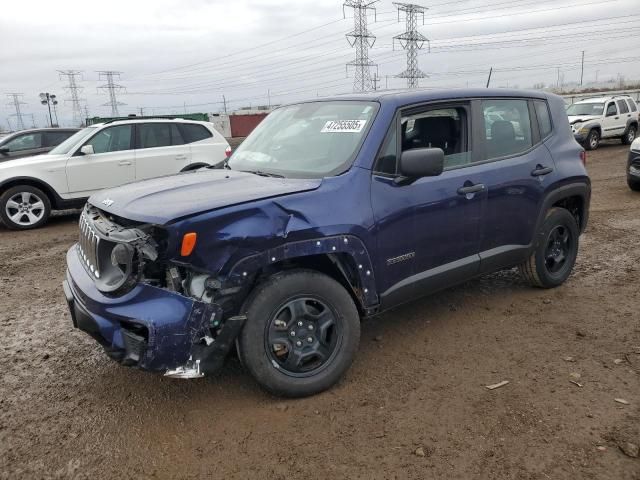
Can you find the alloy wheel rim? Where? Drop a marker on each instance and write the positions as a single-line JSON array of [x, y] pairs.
[[25, 208], [558, 249], [303, 337], [631, 135], [594, 140]]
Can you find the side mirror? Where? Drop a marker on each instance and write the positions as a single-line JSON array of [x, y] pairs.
[[4, 150], [86, 149], [421, 162]]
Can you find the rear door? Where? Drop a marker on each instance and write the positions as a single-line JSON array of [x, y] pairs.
[[161, 150], [516, 172], [112, 163], [207, 147]]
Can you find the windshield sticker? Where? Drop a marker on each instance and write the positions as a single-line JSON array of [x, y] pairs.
[[343, 126]]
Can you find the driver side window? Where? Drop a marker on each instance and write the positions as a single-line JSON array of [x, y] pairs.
[[611, 110], [112, 139]]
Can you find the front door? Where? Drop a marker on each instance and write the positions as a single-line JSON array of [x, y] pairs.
[[427, 231], [112, 163]]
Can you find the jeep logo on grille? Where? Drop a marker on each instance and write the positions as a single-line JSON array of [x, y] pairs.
[[108, 202]]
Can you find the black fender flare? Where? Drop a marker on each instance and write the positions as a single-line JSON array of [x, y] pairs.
[[580, 189], [243, 271]]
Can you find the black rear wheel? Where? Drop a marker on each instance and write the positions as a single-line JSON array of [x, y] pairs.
[[553, 259], [301, 335], [630, 135]]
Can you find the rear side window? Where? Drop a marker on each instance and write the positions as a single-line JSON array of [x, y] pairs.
[[27, 141], [622, 105], [507, 127], [192, 132], [632, 104], [53, 139], [176, 135], [544, 118], [151, 135]]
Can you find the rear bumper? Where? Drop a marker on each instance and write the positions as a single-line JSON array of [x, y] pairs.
[[149, 327]]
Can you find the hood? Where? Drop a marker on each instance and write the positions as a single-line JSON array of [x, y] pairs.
[[581, 118], [24, 161], [163, 199]]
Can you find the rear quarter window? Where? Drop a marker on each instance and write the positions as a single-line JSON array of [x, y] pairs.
[[632, 104], [544, 118], [192, 132]]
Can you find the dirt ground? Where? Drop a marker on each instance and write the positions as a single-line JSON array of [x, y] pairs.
[[413, 406]]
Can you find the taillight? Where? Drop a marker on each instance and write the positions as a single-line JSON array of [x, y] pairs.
[[227, 152], [583, 157]]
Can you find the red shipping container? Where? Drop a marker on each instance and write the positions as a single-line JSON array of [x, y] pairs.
[[243, 125]]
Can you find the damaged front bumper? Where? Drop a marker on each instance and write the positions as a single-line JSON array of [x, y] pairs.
[[149, 327]]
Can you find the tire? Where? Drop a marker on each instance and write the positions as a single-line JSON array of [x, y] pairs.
[[554, 256], [24, 207], [634, 184], [593, 140], [304, 302], [630, 135]]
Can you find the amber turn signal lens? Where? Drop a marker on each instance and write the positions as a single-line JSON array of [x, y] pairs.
[[188, 243]]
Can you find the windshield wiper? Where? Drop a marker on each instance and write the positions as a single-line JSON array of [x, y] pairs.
[[263, 174]]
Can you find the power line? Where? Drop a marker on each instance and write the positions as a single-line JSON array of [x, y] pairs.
[[73, 90], [111, 89], [362, 40], [412, 41], [16, 102]]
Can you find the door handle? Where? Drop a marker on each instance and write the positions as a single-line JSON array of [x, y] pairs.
[[181, 157], [478, 187], [616, 118], [124, 163], [540, 171]]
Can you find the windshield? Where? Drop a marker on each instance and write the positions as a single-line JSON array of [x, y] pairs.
[[308, 140], [66, 146], [578, 109]]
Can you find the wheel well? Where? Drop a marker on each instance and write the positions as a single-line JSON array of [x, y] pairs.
[[339, 266], [575, 206], [597, 128], [48, 191]]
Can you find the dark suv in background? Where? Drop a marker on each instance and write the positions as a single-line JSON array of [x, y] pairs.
[[26, 143], [331, 211]]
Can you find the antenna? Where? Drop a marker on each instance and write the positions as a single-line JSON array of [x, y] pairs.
[[362, 40], [411, 41]]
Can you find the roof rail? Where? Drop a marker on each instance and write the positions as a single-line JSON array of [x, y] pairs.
[[125, 119]]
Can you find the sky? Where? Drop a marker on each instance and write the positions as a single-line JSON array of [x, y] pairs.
[[186, 55]]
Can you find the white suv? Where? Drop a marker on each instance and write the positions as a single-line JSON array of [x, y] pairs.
[[102, 156], [599, 118]]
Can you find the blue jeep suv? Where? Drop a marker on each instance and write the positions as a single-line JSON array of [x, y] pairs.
[[331, 211]]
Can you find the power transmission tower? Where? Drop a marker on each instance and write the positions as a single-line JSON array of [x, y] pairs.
[[411, 41], [16, 102], [73, 89], [111, 89], [362, 40]]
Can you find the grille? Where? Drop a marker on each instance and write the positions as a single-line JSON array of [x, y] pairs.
[[88, 246]]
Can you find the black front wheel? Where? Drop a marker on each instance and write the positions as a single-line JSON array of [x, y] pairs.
[[301, 334], [593, 140], [554, 256]]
